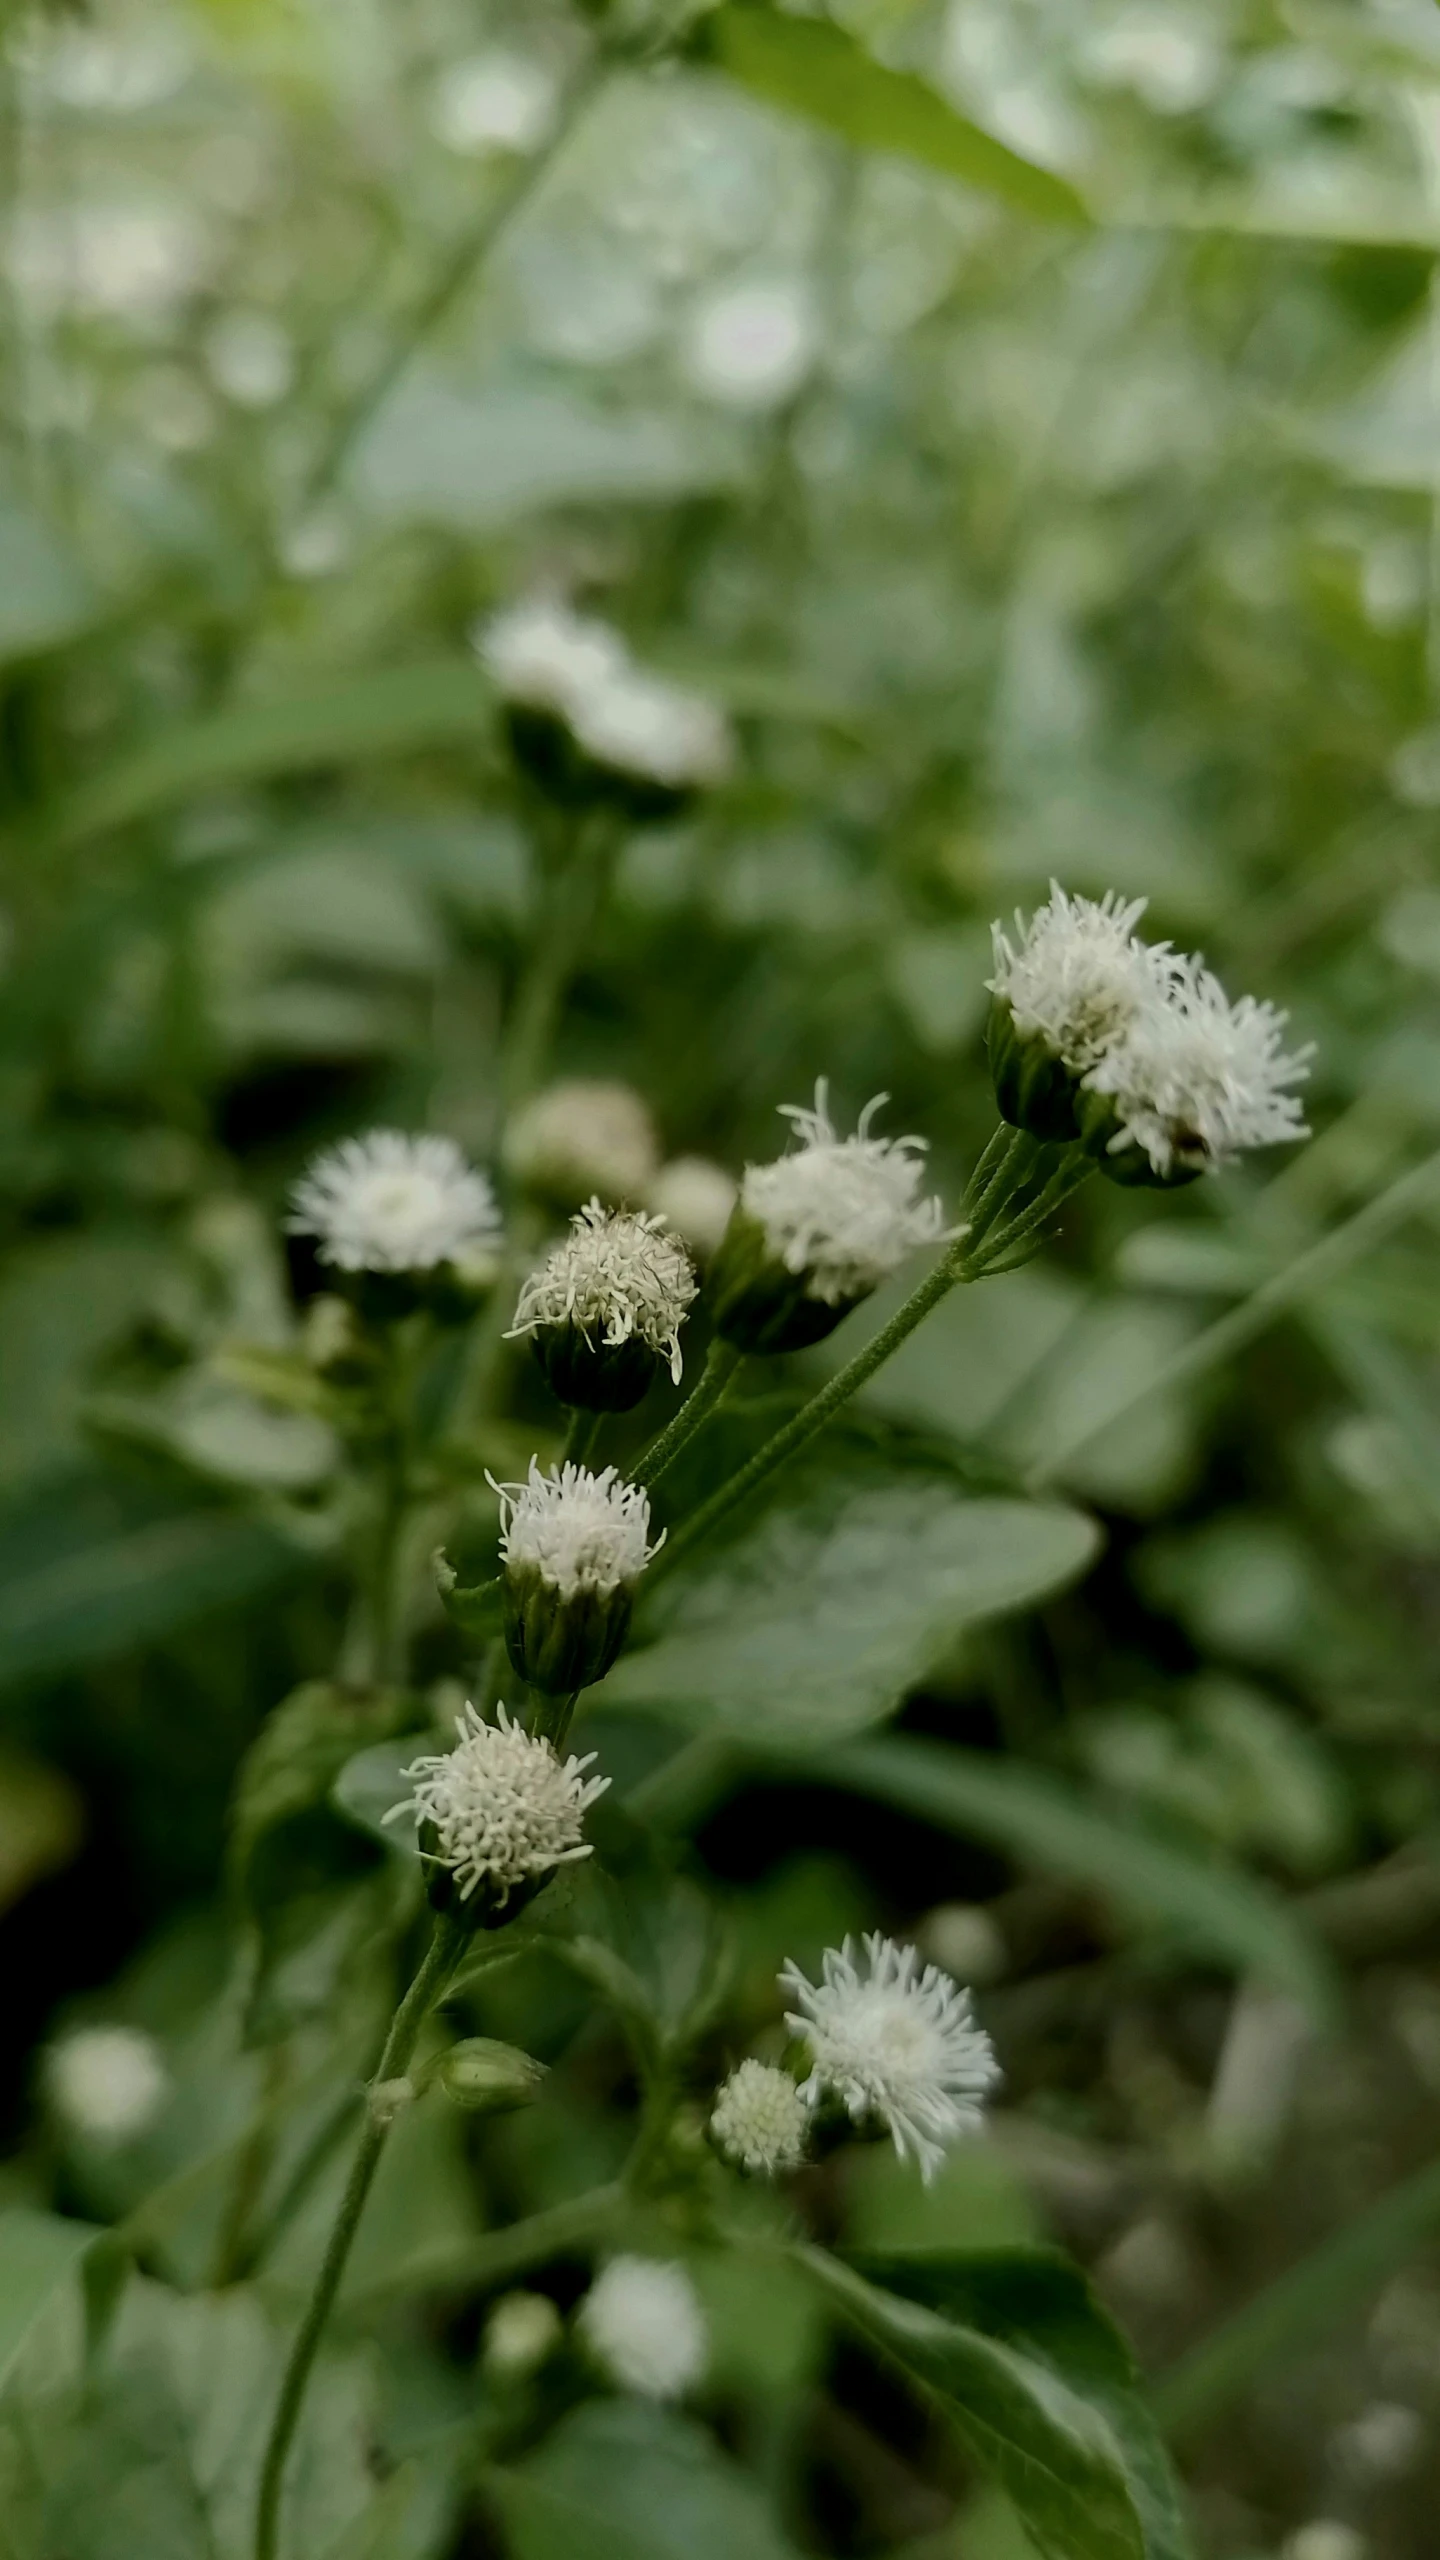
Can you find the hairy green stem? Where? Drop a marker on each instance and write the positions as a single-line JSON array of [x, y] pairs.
[[581, 1436], [570, 913], [721, 1362], [400, 2044]]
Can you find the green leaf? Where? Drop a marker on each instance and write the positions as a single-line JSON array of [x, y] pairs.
[[373, 1780], [397, 711], [44, 597], [1033, 2424], [281, 1821], [622, 2481], [814, 1621], [1297, 2309], [814, 69], [1038, 2301], [1153, 1877], [96, 1568], [39, 2253]]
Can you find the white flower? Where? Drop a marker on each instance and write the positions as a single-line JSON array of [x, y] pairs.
[[582, 1137], [642, 724], [617, 1275], [107, 2082], [495, 101], [1198, 1079], [760, 2118], [894, 2039], [393, 1202], [642, 2322], [695, 1197], [581, 1532], [540, 653], [842, 1210], [522, 2330], [1079, 976], [504, 1806], [750, 346]]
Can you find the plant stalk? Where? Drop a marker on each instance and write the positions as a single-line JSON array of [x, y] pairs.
[[709, 1391], [400, 2044]]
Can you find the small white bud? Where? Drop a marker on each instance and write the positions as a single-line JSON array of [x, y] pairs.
[[522, 2331], [388, 2100], [760, 2119], [583, 1138], [695, 1197], [644, 2326], [896, 2043], [107, 2083]]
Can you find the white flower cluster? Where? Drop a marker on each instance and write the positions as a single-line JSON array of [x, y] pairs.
[[760, 2119], [545, 656], [643, 2324], [393, 1202], [617, 1274], [504, 1806], [580, 1531], [845, 1211], [107, 2083], [1193, 1079], [894, 2040]]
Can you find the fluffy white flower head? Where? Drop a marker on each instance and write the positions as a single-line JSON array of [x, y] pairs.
[[760, 2118], [643, 2324], [584, 1136], [107, 2083], [616, 1275], [894, 2039], [845, 1211], [543, 654], [505, 1807], [581, 1532], [393, 1202], [1199, 1079], [1078, 974], [642, 724], [696, 1197]]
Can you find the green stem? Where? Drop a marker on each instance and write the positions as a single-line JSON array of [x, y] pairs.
[[453, 277], [721, 1362], [1002, 1179], [400, 2044], [580, 1438], [570, 914]]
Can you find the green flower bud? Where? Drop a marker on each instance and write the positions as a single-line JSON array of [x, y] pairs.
[[598, 1376], [574, 1545], [488, 2078], [1034, 1089], [759, 1305]]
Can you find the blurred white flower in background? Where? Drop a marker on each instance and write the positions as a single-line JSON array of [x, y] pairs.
[[584, 1135], [250, 358], [750, 346], [391, 1201], [494, 101], [544, 655], [107, 2083], [1173, 64], [695, 1197], [126, 260], [643, 2324]]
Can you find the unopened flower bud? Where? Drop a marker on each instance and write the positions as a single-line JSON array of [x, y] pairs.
[[389, 2099], [816, 1231], [581, 1140], [574, 1547], [522, 2330], [607, 1308], [487, 2078]]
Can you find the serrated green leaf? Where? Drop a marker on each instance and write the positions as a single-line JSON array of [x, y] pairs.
[[622, 2481], [372, 1781], [815, 69], [830, 1604], [1049, 2444], [1154, 1878]]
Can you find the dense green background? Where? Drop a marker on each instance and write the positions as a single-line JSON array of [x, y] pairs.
[[1096, 537]]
